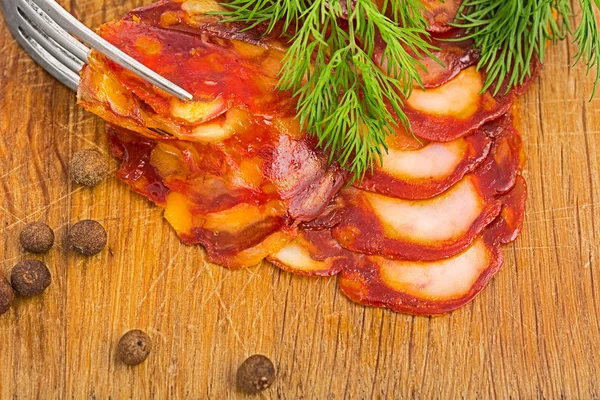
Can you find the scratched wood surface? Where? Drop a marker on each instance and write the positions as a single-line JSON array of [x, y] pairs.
[[535, 331]]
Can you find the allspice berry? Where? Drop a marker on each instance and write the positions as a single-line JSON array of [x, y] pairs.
[[6, 295], [37, 237], [88, 167], [134, 347], [87, 237], [255, 374], [30, 277]]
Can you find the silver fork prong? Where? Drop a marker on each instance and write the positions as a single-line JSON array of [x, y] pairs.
[[50, 45], [56, 68], [51, 28], [47, 60], [86, 35]]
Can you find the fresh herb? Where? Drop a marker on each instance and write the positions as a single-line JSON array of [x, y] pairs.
[[588, 39], [344, 96], [351, 104], [511, 33]]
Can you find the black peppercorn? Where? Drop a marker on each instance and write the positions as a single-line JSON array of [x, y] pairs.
[[255, 374], [87, 237], [30, 277], [36, 237], [6, 295], [134, 347], [88, 167]]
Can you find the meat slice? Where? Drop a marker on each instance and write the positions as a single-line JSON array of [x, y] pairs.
[[229, 81], [313, 253], [455, 55], [235, 172], [417, 230], [457, 107], [233, 76], [438, 286], [418, 287], [434, 228], [428, 171], [241, 199], [451, 54]]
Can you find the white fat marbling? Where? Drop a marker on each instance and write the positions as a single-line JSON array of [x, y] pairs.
[[442, 279], [436, 220], [434, 161]]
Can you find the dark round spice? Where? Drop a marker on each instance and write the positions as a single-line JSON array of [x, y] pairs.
[[134, 347], [6, 295], [37, 237], [88, 167], [30, 277], [255, 374], [87, 237]]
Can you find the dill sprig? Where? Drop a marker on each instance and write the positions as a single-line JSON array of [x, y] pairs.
[[344, 97], [510, 33], [351, 104], [587, 39]]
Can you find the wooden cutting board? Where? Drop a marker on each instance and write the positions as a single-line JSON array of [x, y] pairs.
[[534, 332]]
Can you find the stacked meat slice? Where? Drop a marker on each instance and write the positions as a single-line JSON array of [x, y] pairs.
[[235, 172]]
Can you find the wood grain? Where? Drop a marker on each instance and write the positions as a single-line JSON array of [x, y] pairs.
[[535, 331]]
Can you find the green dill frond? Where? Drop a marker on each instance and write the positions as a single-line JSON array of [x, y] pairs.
[[587, 39], [344, 98], [510, 33]]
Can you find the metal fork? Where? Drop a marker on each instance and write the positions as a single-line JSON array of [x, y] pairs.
[[43, 28]]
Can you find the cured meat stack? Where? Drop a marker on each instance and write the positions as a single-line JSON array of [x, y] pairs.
[[236, 173]]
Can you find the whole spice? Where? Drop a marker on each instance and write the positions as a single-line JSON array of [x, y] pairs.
[[134, 347], [88, 167], [87, 237], [37, 237], [255, 374], [30, 277], [6, 295]]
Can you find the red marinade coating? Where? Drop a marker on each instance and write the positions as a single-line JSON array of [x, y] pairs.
[[293, 179], [206, 66], [440, 13], [221, 65], [135, 168], [508, 225]]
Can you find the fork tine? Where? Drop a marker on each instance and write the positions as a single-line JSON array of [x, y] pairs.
[[49, 27], [86, 35], [12, 18], [46, 60], [50, 45]]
